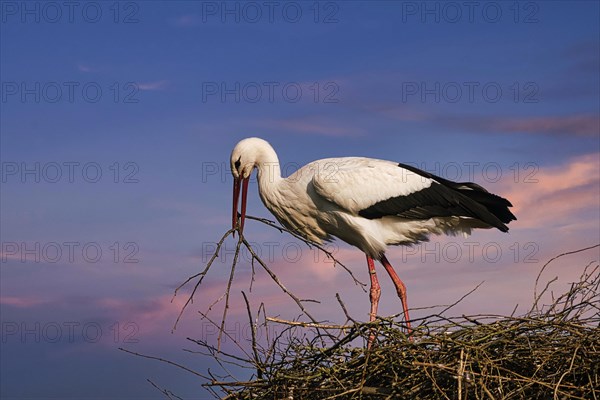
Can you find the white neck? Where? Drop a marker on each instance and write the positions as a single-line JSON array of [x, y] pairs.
[[269, 171]]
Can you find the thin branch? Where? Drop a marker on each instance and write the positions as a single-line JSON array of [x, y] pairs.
[[228, 290], [253, 332], [170, 395], [201, 276], [535, 296], [462, 298], [348, 317], [205, 316], [308, 324], [165, 361]]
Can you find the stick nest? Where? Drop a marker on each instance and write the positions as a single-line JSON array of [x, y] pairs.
[[551, 352]]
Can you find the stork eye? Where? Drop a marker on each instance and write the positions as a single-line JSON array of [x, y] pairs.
[[237, 163]]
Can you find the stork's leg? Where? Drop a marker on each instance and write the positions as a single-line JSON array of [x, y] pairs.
[[400, 288], [374, 295], [375, 292]]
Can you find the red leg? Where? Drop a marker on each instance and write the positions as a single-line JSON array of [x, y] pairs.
[[374, 295], [375, 292], [400, 288]]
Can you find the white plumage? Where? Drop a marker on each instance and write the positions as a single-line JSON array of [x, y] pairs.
[[368, 203]]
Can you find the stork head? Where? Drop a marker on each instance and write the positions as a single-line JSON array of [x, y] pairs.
[[245, 156]]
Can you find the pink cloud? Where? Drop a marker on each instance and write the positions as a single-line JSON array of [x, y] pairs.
[[157, 85], [84, 68], [580, 125], [570, 125], [560, 196], [156, 316], [21, 302], [5, 256], [400, 113], [154, 312]]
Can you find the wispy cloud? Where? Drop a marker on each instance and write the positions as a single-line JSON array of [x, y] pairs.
[[581, 125], [156, 85], [186, 20], [20, 301], [85, 68], [401, 113], [569, 125], [562, 194]]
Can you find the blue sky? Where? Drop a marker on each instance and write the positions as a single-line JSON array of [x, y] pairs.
[[125, 114]]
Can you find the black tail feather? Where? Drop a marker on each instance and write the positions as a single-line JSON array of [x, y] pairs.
[[478, 197], [495, 204]]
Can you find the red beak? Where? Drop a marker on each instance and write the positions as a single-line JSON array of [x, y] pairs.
[[237, 182]]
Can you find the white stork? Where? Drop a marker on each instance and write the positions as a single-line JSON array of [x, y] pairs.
[[365, 202]]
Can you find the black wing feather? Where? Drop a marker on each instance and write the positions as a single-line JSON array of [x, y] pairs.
[[445, 198]]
